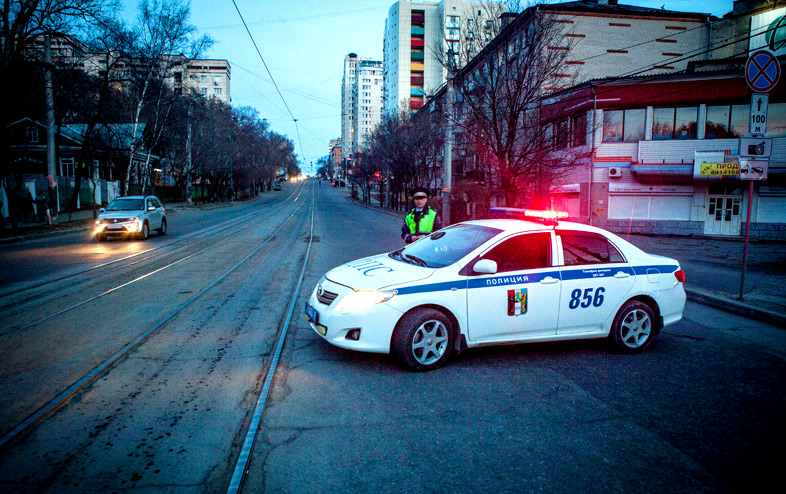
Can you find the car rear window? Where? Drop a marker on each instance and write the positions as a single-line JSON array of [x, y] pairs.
[[588, 248]]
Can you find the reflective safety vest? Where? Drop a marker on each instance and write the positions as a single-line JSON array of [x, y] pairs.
[[426, 223]]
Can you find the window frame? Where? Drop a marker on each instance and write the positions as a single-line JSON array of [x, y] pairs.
[[578, 233], [515, 237]]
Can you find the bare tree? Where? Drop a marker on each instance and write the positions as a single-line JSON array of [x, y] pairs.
[[497, 99], [163, 32]]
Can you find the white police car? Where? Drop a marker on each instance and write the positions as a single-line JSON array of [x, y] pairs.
[[498, 281]]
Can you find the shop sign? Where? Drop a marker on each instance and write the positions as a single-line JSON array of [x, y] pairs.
[[565, 189], [719, 169], [650, 189], [772, 190]]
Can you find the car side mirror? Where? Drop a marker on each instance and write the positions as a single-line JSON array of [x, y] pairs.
[[102, 210], [151, 208], [485, 266]]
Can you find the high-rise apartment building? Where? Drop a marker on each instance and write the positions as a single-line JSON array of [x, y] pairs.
[[348, 104], [368, 100], [418, 37], [361, 101]]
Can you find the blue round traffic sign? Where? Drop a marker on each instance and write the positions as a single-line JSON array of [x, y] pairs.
[[762, 71]]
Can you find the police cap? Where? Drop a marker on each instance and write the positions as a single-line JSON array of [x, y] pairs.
[[419, 192]]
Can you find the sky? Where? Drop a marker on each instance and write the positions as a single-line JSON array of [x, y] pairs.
[[303, 43]]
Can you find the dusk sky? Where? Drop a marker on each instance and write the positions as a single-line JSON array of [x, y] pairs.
[[304, 43]]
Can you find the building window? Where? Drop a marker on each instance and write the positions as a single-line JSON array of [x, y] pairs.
[[203, 78], [578, 130], [623, 125], [66, 167], [203, 91], [217, 91], [776, 120], [674, 123], [216, 79], [32, 134], [561, 135], [453, 21], [727, 122]]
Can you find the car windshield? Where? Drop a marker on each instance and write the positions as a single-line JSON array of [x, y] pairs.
[[126, 204], [446, 246]]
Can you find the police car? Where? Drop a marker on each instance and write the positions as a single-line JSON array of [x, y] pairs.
[[523, 277]]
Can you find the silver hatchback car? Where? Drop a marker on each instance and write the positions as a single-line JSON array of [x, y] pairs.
[[132, 216]]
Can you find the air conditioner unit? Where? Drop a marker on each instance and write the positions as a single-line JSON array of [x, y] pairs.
[[615, 171]]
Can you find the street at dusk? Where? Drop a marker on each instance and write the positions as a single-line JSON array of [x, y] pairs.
[[401, 246]]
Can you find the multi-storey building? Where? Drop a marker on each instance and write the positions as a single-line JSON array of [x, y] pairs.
[[368, 100], [361, 102], [418, 38], [335, 152], [348, 122], [209, 78]]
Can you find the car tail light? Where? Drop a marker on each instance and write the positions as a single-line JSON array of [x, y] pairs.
[[680, 275]]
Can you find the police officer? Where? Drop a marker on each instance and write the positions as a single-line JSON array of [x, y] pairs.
[[421, 220]]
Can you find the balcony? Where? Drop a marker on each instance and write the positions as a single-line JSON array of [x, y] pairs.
[[418, 31], [419, 80], [416, 55]]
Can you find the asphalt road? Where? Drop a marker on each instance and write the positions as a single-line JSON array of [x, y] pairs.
[[702, 410]]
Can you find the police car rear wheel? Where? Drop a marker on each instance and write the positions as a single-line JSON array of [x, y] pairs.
[[632, 330], [423, 340]]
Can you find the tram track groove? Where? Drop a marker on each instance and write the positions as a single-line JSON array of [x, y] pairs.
[[41, 300], [217, 229], [62, 397]]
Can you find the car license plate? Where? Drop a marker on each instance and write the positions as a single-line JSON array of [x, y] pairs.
[[312, 313], [114, 227]]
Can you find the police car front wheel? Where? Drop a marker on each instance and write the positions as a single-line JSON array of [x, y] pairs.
[[423, 340], [632, 330]]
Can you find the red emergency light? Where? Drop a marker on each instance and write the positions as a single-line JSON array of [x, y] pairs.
[[547, 216]]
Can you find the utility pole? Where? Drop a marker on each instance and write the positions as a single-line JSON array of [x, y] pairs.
[[188, 156], [51, 168], [448, 155]]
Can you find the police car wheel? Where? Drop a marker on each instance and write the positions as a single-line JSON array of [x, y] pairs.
[[423, 340], [633, 327]]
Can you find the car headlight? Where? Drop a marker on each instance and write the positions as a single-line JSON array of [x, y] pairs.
[[360, 299]]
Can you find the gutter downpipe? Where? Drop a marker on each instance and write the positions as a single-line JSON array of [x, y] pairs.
[[592, 152]]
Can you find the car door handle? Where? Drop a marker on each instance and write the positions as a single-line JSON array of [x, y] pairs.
[[621, 274], [548, 280]]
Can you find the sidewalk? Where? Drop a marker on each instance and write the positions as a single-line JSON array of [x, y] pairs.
[[713, 267]]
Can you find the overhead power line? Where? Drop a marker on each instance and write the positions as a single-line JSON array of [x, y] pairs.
[[271, 77]]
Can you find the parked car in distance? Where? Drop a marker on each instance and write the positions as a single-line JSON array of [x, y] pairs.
[[525, 277], [276, 186], [339, 183], [131, 216]]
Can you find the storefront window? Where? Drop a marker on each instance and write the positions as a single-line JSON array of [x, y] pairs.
[[740, 120], [685, 123], [633, 126], [776, 120], [717, 126], [612, 125], [674, 123], [663, 124]]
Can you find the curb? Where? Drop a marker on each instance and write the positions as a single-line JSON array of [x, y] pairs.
[[736, 307]]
